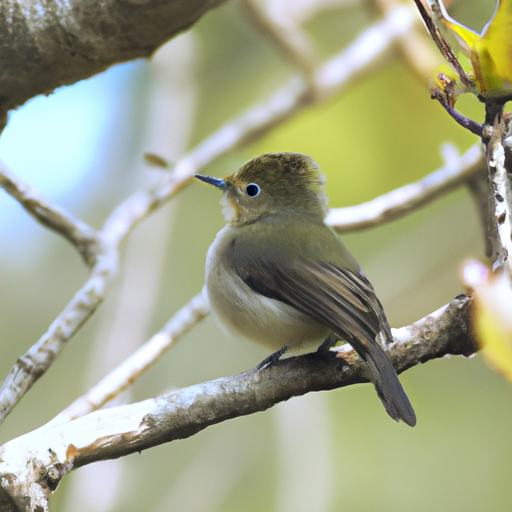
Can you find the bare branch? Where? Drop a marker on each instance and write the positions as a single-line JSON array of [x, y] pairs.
[[404, 200], [32, 465], [49, 44], [51, 215], [134, 366]]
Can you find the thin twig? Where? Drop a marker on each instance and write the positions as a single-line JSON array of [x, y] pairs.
[[404, 200], [465, 122], [440, 41], [51, 215], [32, 465]]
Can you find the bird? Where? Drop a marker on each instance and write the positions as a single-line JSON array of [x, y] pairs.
[[278, 275]]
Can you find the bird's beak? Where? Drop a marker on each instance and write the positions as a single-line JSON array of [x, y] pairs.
[[216, 182]]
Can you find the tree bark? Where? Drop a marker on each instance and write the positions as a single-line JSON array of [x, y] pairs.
[[44, 45]]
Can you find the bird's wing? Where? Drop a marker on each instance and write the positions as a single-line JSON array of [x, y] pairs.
[[338, 298]]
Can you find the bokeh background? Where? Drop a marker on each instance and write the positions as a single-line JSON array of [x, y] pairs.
[[82, 146]]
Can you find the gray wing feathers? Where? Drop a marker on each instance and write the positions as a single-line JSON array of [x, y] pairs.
[[342, 300]]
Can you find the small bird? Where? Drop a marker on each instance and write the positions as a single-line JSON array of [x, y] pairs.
[[278, 275]]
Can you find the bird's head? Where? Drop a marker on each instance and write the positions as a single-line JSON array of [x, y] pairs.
[[273, 184]]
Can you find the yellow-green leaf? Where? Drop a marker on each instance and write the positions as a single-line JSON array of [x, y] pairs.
[[490, 53]]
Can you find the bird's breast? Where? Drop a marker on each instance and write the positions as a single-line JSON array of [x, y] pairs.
[[243, 311]]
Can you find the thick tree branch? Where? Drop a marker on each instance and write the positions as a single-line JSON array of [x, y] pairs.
[[32, 465], [44, 45]]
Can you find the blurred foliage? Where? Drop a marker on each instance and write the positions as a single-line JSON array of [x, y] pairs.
[[339, 447], [491, 319]]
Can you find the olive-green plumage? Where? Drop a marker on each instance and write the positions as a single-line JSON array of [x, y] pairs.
[[278, 275]]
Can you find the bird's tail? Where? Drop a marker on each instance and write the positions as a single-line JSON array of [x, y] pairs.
[[386, 382]]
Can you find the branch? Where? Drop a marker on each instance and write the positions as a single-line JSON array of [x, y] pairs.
[[51, 44], [82, 236], [465, 122], [32, 465], [404, 200]]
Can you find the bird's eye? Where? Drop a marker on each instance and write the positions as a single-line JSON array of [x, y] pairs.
[[252, 190]]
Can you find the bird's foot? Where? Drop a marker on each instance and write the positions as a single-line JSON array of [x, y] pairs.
[[329, 342], [272, 358]]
